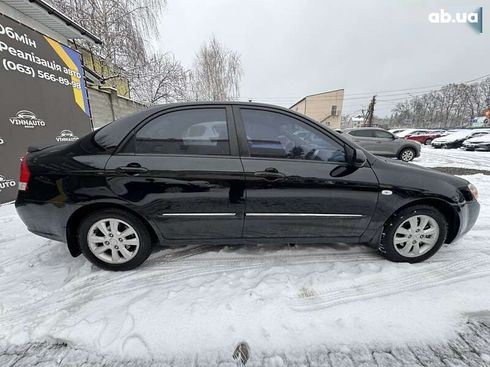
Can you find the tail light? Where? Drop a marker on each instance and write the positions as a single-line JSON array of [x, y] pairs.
[[25, 174]]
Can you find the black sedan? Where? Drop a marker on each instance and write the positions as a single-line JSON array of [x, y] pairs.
[[233, 173]]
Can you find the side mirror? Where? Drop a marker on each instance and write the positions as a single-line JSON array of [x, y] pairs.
[[359, 159]]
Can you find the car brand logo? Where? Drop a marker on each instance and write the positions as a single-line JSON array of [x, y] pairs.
[[66, 135], [2, 141], [27, 119], [6, 183]]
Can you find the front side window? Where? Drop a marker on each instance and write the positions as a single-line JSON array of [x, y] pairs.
[[274, 135], [383, 134], [200, 132], [362, 133]]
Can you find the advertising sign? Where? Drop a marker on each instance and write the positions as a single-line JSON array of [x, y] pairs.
[[43, 98]]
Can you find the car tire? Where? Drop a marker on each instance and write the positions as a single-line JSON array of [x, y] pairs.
[[428, 141], [397, 246], [406, 154], [125, 245]]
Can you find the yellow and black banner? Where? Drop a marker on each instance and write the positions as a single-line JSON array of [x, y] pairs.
[[43, 97]]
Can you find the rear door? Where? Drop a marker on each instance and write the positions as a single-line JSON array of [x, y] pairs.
[[182, 170], [298, 184]]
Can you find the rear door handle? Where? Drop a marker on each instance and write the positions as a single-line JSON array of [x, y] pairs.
[[132, 169]]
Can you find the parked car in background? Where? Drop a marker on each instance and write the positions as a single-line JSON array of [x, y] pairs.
[[424, 137], [477, 143], [405, 132], [146, 181], [396, 131], [382, 142], [456, 139]]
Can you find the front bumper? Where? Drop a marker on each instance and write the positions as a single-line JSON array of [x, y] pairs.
[[447, 145], [468, 214], [481, 147]]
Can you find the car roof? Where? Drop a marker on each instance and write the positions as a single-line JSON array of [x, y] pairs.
[[217, 103], [112, 134], [146, 112], [364, 128]]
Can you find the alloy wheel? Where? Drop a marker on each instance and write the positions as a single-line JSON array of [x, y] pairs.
[[113, 241], [407, 155], [416, 236]]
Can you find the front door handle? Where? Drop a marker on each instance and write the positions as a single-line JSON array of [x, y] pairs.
[[270, 174], [132, 169]]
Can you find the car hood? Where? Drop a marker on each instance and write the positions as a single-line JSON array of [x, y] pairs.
[[479, 140], [449, 139], [403, 174]]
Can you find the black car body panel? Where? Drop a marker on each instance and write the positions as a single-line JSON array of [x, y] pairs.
[[231, 198]]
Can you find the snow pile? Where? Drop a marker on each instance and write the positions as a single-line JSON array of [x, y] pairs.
[[208, 299]]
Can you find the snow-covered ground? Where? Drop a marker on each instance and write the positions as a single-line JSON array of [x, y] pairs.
[[204, 300], [431, 157]]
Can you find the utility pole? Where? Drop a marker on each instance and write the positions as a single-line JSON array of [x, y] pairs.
[[368, 120]]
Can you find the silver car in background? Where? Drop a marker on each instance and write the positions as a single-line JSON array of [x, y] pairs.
[[381, 142]]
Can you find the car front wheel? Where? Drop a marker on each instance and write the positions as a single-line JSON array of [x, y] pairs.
[[114, 240], [414, 234], [406, 154]]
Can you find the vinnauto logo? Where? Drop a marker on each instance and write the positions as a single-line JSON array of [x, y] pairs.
[[473, 19], [6, 183], [66, 135], [2, 141], [27, 119]]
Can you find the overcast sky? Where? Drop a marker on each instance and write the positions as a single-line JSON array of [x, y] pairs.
[[290, 49]]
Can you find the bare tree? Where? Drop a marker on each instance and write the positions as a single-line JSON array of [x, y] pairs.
[[216, 73], [124, 26], [452, 105], [161, 79]]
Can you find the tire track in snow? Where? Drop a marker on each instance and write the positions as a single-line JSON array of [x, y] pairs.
[[372, 286], [183, 267], [94, 288]]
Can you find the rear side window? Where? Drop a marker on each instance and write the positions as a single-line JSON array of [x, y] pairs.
[[362, 133], [111, 135], [194, 132]]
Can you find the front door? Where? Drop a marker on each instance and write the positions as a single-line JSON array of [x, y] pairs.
[[298, 184], [183, 171], [385, 143]]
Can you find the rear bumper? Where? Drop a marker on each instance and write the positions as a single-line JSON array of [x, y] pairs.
[[45, 219]]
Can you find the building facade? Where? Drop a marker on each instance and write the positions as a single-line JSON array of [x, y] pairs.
[[326, 107]]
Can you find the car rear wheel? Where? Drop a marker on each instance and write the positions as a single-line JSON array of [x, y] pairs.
[[428, 141], [414, 234], [114, 240], [406, 154]]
